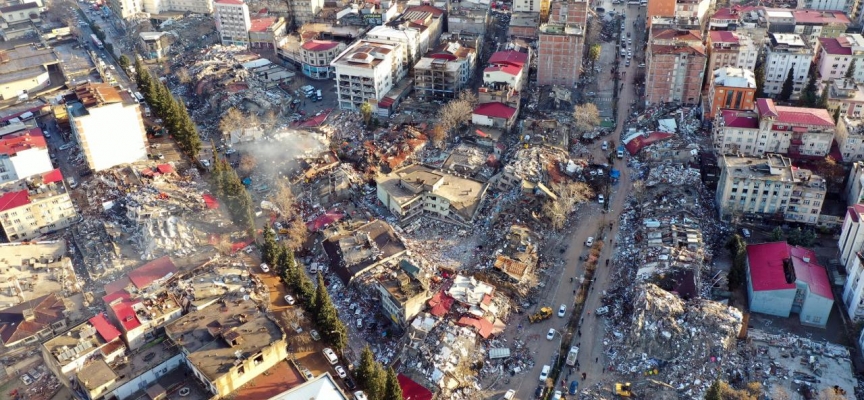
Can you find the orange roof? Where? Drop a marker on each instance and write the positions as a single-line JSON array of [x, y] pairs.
[[12, 144], [12, 200], [262, 24], [319, 45]]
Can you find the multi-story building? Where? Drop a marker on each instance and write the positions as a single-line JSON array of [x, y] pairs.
[[107, 125], [23, 154], [828, 5], [504, 78], [795, 131], [417, 189], [846, 95], [97, 338], [731, 49], [768, 187], [126, 9], [316, 56], [193, 6], [28, 73], [659, 8], [445, 71], [403, 295], [730, 88], [366, 71], [228, 346], [561, 42], [854, 191], [410, 40], [34, 206], [233, 22], [785, 52], [851, 255], [304, 11], [469, 16], [35, 320], [266, 32], [813, 24], [534, 6], [154, 45], [695, 11], [837, 54], [850, 138], [676, 65]]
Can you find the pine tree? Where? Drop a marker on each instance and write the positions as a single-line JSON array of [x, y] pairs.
[[285, 263], [392, 389], [142, 77], [713, 392], [124, 62], [850, 72], [759, 75], [376, 382], [269, 250], [777, 234], [837, 115], [367, 365], [808, 96], [788, 86], [305, 288], [823, 98]]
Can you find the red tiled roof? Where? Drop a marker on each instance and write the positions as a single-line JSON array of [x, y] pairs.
[[739, 119], [819, 17], [435, 11], [510, 57], [686, 36], [689, 48], [125, 313], [412, 390], [46, 310], [855, 211], [12, 200], [319, 45], [766, 268], [495, 110], [234, 2], [261, 24], [324, 220], [52, 176], [834, 47], [440, 304], [639, 142], [106, 329], [210, 201], [112, 288], [146, 274], [804, 116], [165, 168], [725, 13], [481, 325], [722, 37], [25, 140], [766, 108], [507, 69]]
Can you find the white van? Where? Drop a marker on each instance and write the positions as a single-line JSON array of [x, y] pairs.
[[544, 374], [331, 356]]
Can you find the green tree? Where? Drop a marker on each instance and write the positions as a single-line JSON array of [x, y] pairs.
[[808, 96], [142, 77], [759, 75], [594, 53], [794, 236], [371, 375], [233, 194], [837, 115], [392, 389], [269, 250], [366, 112], [305, 288], [777, 234], [284, 266], [737, 273], [124, 62], [850, 72], [713, 392], [327, 315], [788, 86], [808, 238], [822, 102]]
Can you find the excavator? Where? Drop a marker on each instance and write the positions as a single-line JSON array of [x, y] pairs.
[[543, 314]]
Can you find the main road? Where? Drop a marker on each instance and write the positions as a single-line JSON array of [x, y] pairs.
[[591, 218]]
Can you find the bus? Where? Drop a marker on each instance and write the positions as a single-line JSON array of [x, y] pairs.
[[96, 41]]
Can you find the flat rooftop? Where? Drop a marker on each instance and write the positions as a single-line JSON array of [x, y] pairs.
[[216, 336], [463, 194], [773, 167], [790, 40], [99, 373], [24, 62], [37, 269], [365, 54]]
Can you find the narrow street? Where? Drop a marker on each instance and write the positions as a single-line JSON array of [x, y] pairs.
[[590, 219]]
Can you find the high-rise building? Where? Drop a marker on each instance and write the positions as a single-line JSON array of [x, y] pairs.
[[233, 22], [785, 53], [561, 42], [676, 64]]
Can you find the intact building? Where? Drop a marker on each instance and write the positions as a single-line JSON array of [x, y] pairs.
[[304, 11], [561, 42], [784, 279], [107, 124], [25, 70], [29, 322], [847, 96], [366, 71], [193, 6], [731, 49], [316, 56], [229, 345], [35, 206], [266, 32], [233, 22], [795, 131], [676, 64], [836, 55], [23, 154], [850, 139], [768, 187], [534, 6], [730, 88], [783, 52], [854, 191]]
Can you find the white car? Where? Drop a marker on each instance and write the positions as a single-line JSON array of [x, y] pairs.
[[509, 395], [265, 268], [341, 371], [290, 300], [601, 199], [551, 334], [359, 395], [604, 146], [562, 310], [745, 232], [557, 395], [205, 163], [331, 356], [590, 241], [544, 374]]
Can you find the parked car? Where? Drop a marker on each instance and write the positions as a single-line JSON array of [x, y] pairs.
[[562, 310], [359, 395], [350, 384], [289, 299], [601, 199], [544, 374], [315, 336], [340, 371], [590, 241], [551, 334], [265, 267], [745, 232], [331, 356], [557, 395]]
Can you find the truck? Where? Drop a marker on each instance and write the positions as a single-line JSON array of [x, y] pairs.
[[96, 42], [543, 314], [572, 355]]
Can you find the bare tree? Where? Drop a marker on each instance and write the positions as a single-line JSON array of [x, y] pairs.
[[183, 75], [296, 234], [585, 117], [568, 195], [232, 121], [271, 118], [283, 198], [438, 136], [223, 245], [457, 111], [295, 228], [247, 164], [832, 394]]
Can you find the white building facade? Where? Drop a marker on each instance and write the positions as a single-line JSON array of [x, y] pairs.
[[850, 246], [837, 54], [366, 71], [233, 22], [783, 53]]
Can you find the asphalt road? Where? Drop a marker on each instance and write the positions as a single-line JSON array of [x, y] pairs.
[[111, 36], [590, 220]]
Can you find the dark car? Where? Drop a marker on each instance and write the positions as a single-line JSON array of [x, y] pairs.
[[573, 387], [350, 384], [539, 392]]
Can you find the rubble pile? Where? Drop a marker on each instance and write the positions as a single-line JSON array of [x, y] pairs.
[[673, 174]]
